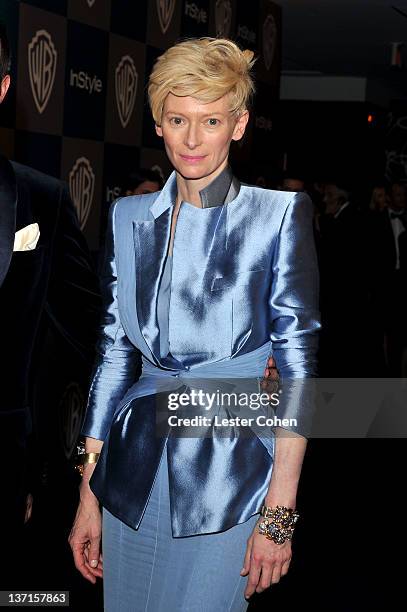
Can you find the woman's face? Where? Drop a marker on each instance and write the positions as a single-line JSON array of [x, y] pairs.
[[197, 136]]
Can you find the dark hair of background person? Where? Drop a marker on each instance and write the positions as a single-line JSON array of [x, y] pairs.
[[295, 179], [380, 195], [134, 179], [5, 56]]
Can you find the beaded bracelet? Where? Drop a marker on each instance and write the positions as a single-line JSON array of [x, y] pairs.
[[281, 526]]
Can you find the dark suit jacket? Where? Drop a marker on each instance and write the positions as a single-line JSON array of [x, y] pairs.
[[391, 286], [345, 250], [384, 238], [343, 264], [55, 281]]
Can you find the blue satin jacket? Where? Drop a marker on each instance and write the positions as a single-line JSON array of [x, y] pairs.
[[244, 285]]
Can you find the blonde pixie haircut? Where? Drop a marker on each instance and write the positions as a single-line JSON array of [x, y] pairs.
[[204, 68]]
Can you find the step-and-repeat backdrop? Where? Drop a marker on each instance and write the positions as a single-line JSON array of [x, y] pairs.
[[77, 108]]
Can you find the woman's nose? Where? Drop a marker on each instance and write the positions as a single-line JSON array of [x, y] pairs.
[[192, 136]]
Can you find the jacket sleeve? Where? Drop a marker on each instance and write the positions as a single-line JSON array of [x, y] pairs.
[[73, 298], [118, 360], [294, 304]]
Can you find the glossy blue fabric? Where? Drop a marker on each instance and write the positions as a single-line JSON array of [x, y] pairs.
[[244, 285], [163, 301], [148, 570]]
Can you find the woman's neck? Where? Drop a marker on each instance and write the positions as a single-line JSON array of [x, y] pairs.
[[188, 189]]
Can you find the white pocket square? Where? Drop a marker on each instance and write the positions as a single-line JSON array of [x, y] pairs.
[[26, 238]]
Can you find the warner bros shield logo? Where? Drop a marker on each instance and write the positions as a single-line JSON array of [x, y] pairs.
[[82, 187], [42, 64], [269, 40], [126, 79], [90, 3], [165, 10], [223, 18]]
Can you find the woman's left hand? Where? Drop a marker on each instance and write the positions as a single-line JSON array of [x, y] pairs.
[[265, 562]]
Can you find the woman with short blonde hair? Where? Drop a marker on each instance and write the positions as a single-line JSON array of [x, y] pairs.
[[206, 69], [202, 282]]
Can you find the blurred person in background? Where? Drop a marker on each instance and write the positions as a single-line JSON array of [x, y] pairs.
[[379, 199], [142, 181], [294, 181], [347, 281], [390, 261]]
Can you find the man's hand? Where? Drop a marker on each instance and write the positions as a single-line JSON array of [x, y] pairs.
[[271, 377]]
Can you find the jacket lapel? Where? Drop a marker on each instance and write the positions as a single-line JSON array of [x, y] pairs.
[[151, 241], [8, 206]]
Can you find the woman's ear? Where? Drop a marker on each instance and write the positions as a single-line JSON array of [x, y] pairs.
[[240, 126], [158, 130]]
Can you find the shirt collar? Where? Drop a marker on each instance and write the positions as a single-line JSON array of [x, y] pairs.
[[223, 189], [216, 193], [391, 211], [344, 205]]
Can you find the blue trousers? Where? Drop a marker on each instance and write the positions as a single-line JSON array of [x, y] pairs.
[[147, 570]]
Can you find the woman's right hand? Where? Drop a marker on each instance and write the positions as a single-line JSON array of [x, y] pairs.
[[85, 539]]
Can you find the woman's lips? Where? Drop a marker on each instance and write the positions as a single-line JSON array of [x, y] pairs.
[[192, 158]]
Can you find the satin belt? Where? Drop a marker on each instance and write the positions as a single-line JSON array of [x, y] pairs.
[[241, 374], [247, 364]]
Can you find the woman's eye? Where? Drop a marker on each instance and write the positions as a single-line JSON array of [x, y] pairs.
[[212, 121], [176, 120]]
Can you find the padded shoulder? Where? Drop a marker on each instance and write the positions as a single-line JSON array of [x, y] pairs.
[[36, 179]]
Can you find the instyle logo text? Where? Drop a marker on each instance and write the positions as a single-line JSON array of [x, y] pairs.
[[82, 80]]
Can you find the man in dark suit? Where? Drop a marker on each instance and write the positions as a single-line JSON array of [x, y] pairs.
[[45, 274], [344, 250], [390, 236]]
